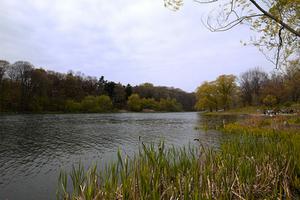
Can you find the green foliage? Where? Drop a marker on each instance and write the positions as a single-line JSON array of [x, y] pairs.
[[104, 103], [270, 101], [170, 105], [149, 91], [219, 93], [134, 103], [150, 104], [96, 104], [38, 103], [207, 97], [89, 104], [256, 88], [225, 86], [72, 106], [24, 88]]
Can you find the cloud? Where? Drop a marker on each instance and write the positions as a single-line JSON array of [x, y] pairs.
[[131, 41]]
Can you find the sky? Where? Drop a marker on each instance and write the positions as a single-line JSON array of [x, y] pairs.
[[132, 41]]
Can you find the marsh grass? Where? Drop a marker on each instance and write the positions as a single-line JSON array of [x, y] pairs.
[[254, 163]]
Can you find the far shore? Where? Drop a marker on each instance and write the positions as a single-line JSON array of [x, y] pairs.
[[117, 111], [251, 111]]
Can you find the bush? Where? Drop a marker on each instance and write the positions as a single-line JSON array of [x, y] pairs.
[[134, 103], [270, 100], [72, 106], [104, 103], [170, 105], [89, 104], [97, 104], [150, 104]]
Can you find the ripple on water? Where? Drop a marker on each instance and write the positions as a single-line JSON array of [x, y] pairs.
[[33, 148]]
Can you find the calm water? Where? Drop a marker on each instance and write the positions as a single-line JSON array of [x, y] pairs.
[[34, 148]]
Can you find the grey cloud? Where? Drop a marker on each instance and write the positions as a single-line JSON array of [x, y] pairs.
[[132, 42]]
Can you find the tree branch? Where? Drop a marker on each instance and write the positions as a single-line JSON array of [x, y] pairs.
[[209, 1], [231, 24], [279, 47], [279, 21], [267, 14]]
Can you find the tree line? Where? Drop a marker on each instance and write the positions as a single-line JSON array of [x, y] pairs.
[[252, 88], [25, 88]]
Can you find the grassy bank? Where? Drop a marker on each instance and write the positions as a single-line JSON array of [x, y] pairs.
[[254, 110], [256, 162], [238, 111]]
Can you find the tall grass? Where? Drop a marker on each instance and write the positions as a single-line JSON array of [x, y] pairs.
[[252, 164]]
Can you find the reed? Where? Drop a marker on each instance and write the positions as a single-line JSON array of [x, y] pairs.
[[252, 164]]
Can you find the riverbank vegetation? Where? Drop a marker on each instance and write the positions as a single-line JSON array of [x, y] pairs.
[[253, 90], [260, 159], [24, 88]]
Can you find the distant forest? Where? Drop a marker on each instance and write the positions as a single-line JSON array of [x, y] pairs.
[[254, 88], [25, 88]]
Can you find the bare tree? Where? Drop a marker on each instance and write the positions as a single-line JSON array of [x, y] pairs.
[[21, 72], [3, 67], [251, 83]]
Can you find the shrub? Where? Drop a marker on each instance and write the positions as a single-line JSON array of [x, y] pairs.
[[104, 103], [134, 103], [170, 105], [72, 106]]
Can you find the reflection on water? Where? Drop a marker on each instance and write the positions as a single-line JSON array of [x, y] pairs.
[[33, 148]]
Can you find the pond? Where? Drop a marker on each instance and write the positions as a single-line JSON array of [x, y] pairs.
[[34, 148]]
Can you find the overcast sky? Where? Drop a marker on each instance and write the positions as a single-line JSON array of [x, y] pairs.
[[132, 41]]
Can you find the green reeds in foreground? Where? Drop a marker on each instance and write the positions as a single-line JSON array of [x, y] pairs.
[[248, 166]]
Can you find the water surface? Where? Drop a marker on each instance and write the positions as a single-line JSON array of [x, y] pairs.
[[34, 148]]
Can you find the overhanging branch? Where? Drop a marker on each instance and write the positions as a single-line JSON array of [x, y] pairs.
[[265, 13], [279, 21]]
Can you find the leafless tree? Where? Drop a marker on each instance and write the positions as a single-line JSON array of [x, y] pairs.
[[20, 72], [251, 83], [3, 67]]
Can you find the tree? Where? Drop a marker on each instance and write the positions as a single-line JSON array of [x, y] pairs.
[[275, 87], [24, 88], [100, 85], [72, 106], [90, 86], [21, 71], [39, 90], [109, 88], [104, 103], [73, 86], [251, 83], [207, 97], [225, 86], [292, 80], [145, 90], [270, 100], [119, 96], [148, 90], [150, 103], [89, 104], [3, 67], [128, 90], [134, 103], [276, 21], [170, 105]]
